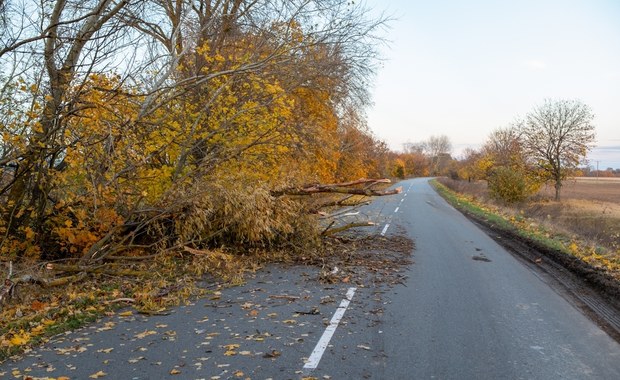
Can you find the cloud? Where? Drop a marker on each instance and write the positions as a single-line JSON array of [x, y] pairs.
[[534, 65]]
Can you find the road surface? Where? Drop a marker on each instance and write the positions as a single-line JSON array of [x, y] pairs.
[[468, 310]]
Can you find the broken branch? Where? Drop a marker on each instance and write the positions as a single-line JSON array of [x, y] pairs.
[[341, 188], [346, 227]]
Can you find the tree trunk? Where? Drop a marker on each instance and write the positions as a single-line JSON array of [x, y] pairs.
[[558, 187]]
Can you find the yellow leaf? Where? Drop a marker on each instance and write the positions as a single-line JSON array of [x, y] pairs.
[[20, 339], [97, 375], [29, 233], [128, 313], [175, 371], [37, 330]]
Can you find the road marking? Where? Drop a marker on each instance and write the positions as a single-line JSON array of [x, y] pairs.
[[319, 349], [384, 229], [402, 200], [395, 211]]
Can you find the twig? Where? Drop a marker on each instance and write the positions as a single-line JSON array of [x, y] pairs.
[[284, 297], [129, 300]]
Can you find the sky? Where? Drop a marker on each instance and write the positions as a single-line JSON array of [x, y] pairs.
[[463, 68]]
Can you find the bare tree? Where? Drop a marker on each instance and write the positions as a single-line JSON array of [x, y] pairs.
[[439, 149], [557, 136], [504, 148]]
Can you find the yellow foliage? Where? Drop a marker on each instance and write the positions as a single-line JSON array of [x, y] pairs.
[[19, 339]]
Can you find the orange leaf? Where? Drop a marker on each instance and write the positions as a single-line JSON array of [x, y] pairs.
[[38, 306]]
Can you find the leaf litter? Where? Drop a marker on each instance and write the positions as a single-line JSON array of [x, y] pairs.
[[220, 327]]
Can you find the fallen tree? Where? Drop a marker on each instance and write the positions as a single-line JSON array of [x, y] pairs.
[[341, 188], [243, 219]]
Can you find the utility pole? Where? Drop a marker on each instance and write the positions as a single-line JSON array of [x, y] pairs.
[[597, 161]]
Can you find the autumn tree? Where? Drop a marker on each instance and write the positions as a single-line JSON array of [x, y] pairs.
[[556, 137], [48, 49], [469, 166], [509, 174], [416, 159], [127, 123]]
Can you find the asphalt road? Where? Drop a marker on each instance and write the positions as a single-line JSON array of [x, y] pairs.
[[468, 310]]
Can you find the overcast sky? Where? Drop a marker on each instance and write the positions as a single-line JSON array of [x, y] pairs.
[[463, 68]]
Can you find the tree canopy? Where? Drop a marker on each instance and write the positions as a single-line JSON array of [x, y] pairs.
[[150, 124]]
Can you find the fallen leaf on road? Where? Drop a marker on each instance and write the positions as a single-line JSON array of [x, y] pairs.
[[66, 351], [363, 347], [107, 326], [175, 371], [128, 313], [105, 350], [145, 334], [98, 375]]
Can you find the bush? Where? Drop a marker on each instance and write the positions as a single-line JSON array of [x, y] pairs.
[[511, 185]]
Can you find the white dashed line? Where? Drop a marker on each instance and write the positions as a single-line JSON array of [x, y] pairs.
[[319, 349], [395, 211], [384, 229]]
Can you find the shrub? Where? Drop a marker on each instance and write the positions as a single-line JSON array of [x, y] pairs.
[[511, 185]]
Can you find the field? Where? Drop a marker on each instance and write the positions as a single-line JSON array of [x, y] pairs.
[[589, 210], [605, 190]]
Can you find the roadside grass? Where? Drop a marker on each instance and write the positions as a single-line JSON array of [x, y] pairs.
[[531, 229]]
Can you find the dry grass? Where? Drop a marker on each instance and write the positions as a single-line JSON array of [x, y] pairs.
[[589, 209]]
